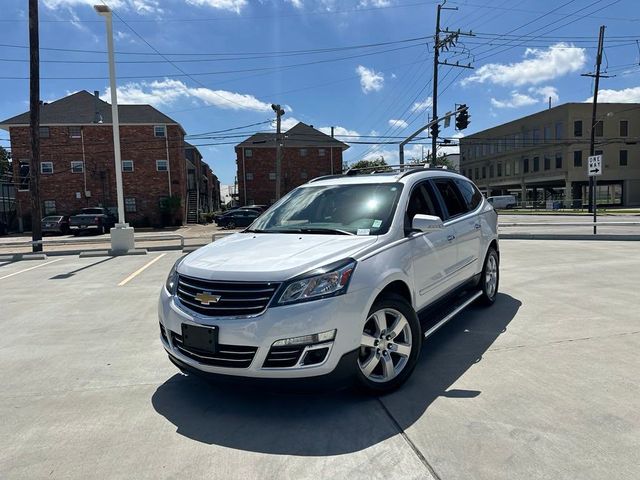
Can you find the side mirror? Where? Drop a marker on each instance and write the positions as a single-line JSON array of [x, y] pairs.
[[426, 223]]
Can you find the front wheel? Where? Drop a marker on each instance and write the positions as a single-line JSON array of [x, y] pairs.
[[390, 345], [490, 277]]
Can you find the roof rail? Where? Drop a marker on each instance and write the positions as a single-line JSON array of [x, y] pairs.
[[400, 170]]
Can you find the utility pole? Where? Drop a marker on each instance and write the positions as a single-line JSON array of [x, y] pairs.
[[279, 112], [592, 141], [34, 123], [448, 41]]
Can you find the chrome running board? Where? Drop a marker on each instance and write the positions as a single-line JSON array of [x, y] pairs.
[[472, 298]]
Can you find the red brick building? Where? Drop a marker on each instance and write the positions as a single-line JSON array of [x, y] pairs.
[[77, 161], [306, 153]]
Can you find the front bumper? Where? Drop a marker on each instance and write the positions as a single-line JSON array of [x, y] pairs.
[[342, 314]]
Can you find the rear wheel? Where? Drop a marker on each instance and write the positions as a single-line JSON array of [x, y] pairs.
[[490, 277], [390, 345], [231, 225]]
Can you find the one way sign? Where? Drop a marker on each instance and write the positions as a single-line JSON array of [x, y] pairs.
[[595, 165]]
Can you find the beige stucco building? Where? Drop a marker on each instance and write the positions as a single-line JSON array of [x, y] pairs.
[[543, 156]]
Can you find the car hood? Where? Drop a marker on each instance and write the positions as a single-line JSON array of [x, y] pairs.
[[270, 256]]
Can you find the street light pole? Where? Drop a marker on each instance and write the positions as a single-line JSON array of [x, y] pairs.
[[122, 235], [279, 112]]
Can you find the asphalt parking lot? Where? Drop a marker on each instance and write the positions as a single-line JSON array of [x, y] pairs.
[[543, 385]]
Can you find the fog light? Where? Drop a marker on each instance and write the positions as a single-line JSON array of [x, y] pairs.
[[316, 356], [307, 339]]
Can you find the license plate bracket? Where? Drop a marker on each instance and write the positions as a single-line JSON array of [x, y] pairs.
[[203, 338]]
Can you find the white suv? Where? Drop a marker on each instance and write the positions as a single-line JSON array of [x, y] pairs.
[[331, 279]]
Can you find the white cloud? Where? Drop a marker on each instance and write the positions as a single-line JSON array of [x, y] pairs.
[[139, 6], [626, 95], [535, 95], [539, 66], [230, 5], [337, 131], [516, 100], [374, 3], [296, 3], [286, 123], [398, 123], [166, 92], [420, 106], [370, 80], [546, 92]]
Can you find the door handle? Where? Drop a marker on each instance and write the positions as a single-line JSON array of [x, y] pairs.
[[451, 237]]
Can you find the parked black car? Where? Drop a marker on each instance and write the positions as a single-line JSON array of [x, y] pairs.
[[97, 218], [242, 217], [55, 224]]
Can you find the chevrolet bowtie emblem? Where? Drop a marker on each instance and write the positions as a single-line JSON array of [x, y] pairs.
[[205, 298]]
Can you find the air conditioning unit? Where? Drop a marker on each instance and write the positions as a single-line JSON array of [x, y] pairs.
[[87, 193]]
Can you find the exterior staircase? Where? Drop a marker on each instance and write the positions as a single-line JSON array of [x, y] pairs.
[[192, 207]]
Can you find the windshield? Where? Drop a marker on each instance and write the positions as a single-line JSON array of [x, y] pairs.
[[92, 211], [51, 219], [362, 209]]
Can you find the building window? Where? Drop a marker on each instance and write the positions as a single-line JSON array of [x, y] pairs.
[[577, 158], [558, 160], [624, 154], [597, 152], [160, 131], [75, 132], [46, 167], [44, 132], [536, 136], [477, 175], [547, 162], [130, 205], [577, 128], [518, 140], [77, 167], [272, 175], [49, 207], [507, 169], [516, 167], [491, 171], [599, 127], [321, 152], [499, 169], [162, 165], [525, 165], [249, 176], [303, 174], [303, 152], [484, 172], [547, 133], [559, 131], [127, 165], [536, 164], [492, 147], [248, 153], [624, 128]]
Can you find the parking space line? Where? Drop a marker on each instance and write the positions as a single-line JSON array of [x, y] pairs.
[[140, 270], [31, 268]]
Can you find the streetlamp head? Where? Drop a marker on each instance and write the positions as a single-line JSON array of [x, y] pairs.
[[102, 9]]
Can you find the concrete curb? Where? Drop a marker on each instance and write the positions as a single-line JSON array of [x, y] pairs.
[[111, 253], [15, 257], [551, 236]]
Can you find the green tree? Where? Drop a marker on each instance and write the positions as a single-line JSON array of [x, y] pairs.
[[5, 164], [377, 164]]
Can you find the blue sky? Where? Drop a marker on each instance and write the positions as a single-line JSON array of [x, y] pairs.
[[363, 66]]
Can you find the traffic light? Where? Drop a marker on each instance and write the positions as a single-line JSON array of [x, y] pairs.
[[462, 118], [435, 130]]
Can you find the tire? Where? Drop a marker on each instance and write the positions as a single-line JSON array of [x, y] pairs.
[[490, 278], [382, 370], [231, 225]]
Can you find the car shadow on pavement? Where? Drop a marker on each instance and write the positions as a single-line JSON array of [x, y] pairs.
[[336, 422]]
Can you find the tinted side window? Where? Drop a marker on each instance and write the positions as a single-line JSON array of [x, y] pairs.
[[470, 193], [422, 202], [451, 196]]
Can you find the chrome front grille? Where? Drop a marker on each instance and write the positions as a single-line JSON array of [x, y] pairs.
[[230, 356], [235, 298]]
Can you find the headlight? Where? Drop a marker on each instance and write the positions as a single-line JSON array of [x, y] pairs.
[[329, 281], [172, 280]]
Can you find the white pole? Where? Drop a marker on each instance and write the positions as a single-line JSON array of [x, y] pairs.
[[122, 236], [114, 115]]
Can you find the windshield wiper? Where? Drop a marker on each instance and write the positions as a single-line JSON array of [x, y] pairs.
[[327, 231], [256, 230]]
